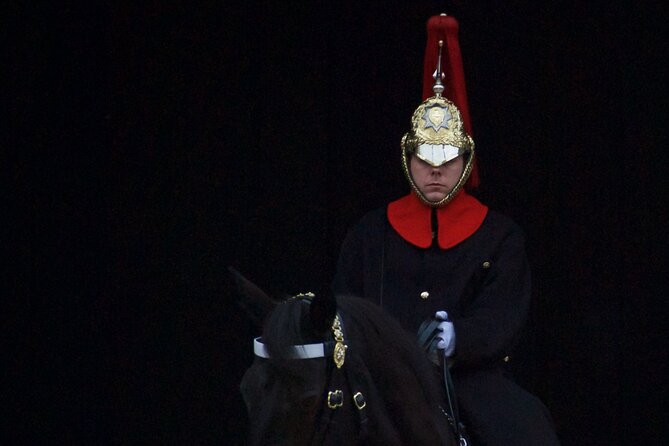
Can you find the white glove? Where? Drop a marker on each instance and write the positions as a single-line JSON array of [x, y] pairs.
[[447, 335]]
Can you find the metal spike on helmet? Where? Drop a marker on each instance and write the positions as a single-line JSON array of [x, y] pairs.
[[438, 87]]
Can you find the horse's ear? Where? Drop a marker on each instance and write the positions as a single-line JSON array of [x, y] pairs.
[[322, 312], [254, 301]]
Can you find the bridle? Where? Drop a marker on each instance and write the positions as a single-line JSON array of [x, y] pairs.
[[338, 382]]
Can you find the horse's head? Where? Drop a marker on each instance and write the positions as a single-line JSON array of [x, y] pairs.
[[339, 372], [284, 388]]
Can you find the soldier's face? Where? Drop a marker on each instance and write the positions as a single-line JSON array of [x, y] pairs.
[[436, 182]]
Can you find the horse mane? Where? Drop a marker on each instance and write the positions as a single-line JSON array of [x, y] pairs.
[[400, 385]]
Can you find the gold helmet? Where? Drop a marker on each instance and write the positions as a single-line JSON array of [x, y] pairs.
[[438, 133]]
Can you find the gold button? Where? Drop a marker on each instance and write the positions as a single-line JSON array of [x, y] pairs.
[[507, 359], [424, 295], [486, 265]]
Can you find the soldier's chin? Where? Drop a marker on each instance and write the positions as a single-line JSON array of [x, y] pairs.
[[434, 195]]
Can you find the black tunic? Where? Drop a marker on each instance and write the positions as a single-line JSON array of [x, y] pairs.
[[484, 285]]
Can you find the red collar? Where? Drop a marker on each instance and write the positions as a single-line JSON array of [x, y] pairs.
[[458, 220]]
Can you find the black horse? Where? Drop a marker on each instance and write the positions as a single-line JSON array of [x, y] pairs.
[[340, 373]]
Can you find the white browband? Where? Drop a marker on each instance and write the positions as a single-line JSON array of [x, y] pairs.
[[304, 351]]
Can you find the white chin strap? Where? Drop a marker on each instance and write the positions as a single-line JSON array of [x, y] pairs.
[[303, 351]]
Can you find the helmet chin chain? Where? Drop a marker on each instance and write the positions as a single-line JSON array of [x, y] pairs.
[[437, 136]]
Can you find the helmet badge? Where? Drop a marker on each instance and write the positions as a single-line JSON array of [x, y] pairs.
[[436, 117]]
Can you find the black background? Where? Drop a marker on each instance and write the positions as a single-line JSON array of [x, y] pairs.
[[149, 147]]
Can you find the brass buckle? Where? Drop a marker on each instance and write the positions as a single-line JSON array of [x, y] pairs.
[[335, 399], [359, 401]]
